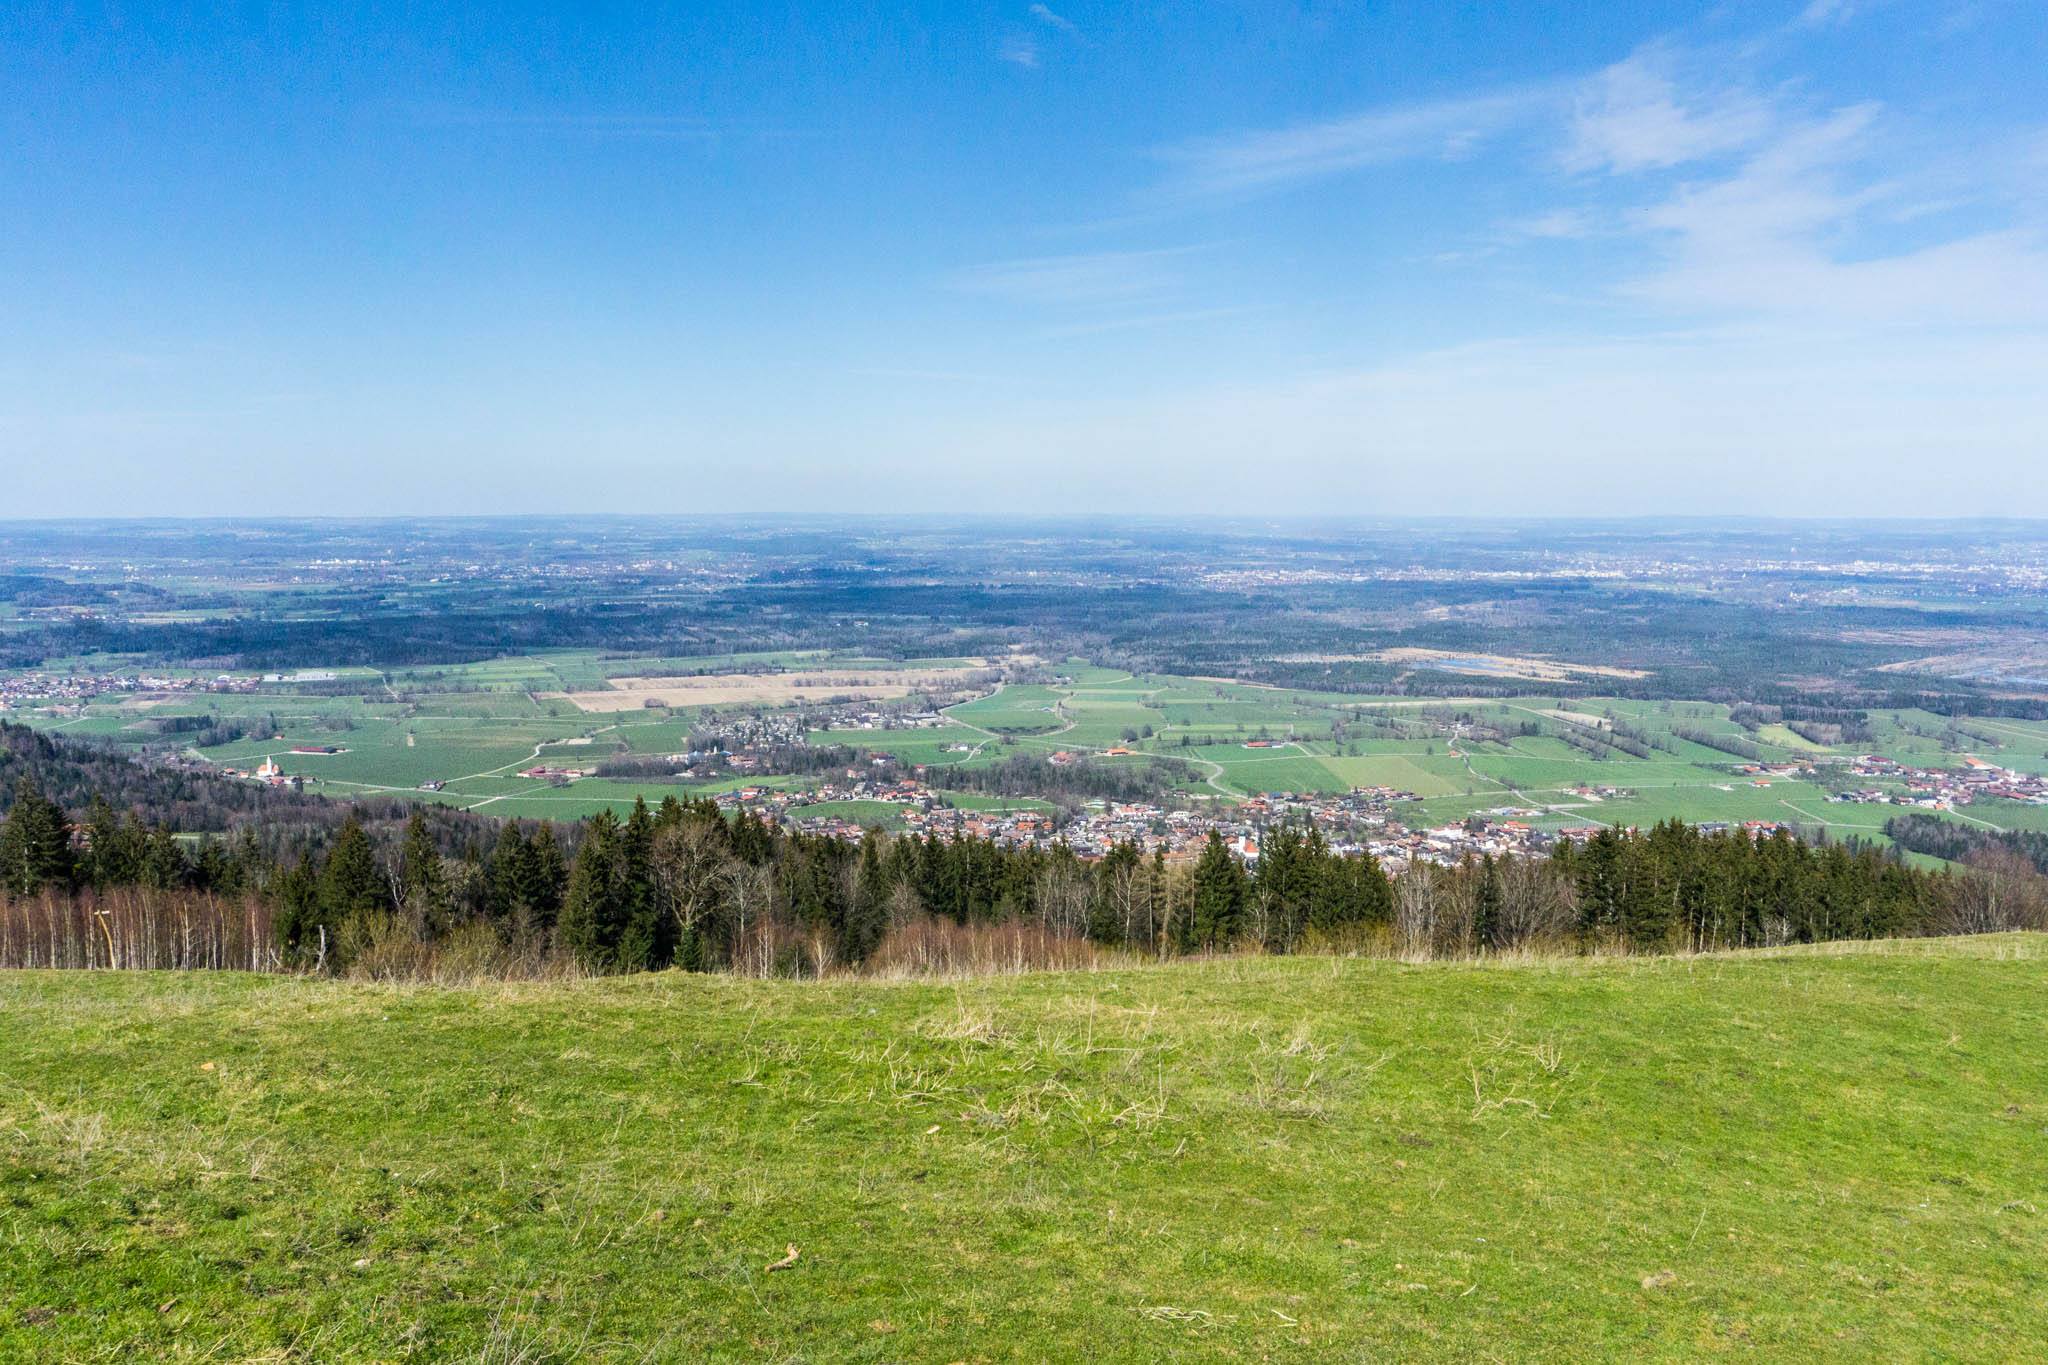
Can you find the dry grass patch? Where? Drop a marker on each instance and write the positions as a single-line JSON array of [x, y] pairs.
[[760, 689]]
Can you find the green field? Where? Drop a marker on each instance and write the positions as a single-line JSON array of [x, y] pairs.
[[474, 726], [1820, 1154]]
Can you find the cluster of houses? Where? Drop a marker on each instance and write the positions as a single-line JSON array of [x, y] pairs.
[[1504, 833], [1587, 791], [1763, 774], [267, 772], [1942, 788], [550, 772], [1357, 821], [858, 716], [57, 690], [740, 744]]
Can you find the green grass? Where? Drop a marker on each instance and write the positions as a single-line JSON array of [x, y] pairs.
[[1809, 1155], [470, 725]]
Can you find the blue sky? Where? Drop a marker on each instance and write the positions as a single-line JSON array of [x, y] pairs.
[[1252, 257]]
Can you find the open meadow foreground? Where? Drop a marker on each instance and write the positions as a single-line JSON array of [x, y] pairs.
[[1825, 1153]]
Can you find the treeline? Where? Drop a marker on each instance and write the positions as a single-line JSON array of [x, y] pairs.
[[206, 731], [1957, 843], [682, 885], [780, 760], [42, 848], [1146, 779], [1727, 744], [1603, 742], [182, 797], [1674, 885], [217, 813]]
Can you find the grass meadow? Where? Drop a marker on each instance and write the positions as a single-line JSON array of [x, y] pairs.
[[1835, 1154]]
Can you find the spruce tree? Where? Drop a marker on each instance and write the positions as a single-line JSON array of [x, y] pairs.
[[163, 862], [103, 851], [422, 881], [295, 926], [549, 878], [867, 919], [646, 936], [591, 917], [351, 885], [35, 844], [1216, 919], [508, 874], [1487, 901]]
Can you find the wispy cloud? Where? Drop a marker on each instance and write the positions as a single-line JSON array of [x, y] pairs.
[[1059, 21], [1555, 225], [1787, 212], [1631, 117], [1020, 47], [1778, 238], [1836, 13], [1280, 158], [1091, 278], [1137, 321], [681, 127], [1820, 12]]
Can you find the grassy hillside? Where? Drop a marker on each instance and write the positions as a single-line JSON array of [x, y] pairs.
[[1839, 1154]]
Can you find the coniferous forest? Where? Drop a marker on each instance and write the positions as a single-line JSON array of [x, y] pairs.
[[96, 880]]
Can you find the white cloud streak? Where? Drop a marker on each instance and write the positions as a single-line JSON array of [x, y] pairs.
[[1281, 158], [1630, 118], [1763, 242], [1091, 278], [1051, 20]]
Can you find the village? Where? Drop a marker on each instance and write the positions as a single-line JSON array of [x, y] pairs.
[[827, 769], [1359, 821], [59, 691], [1942, 788]]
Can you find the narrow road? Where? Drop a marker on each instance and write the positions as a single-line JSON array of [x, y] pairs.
[[990, 736]]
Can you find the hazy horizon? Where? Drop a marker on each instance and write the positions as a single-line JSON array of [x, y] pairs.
[[758, 516]]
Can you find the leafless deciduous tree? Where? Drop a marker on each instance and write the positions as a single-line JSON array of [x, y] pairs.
[[2001, 891]]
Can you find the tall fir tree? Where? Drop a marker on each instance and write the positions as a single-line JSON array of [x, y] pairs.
[[550, 878], [1216, 917], [352, 887], [163, 862], [35, 844], [422, 880], [592, 917], [867, 919], [646, 935], [295, 925]]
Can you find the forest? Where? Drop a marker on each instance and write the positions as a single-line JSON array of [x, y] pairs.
[[1946, 839], [94, 880]]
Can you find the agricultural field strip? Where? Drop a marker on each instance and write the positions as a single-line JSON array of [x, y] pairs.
[[1086, 713]]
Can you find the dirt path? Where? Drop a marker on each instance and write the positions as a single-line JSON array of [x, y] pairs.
[[1823, 820]]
